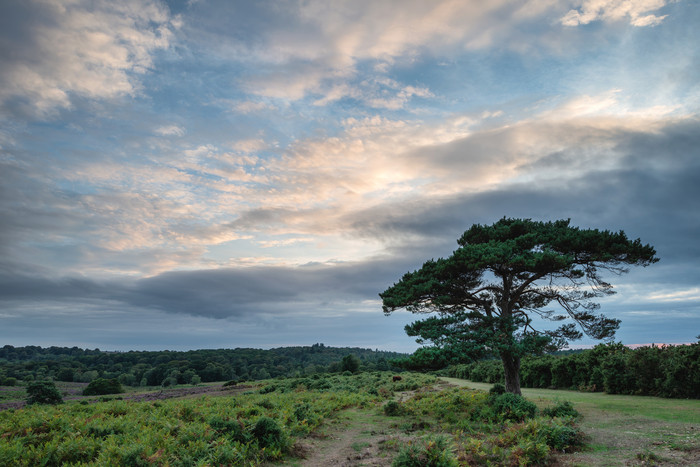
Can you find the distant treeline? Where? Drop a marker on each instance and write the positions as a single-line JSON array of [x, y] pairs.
[[664, 371], [147, 368]]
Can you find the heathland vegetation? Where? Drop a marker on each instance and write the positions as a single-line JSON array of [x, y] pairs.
[[397, 417], [269, 421]]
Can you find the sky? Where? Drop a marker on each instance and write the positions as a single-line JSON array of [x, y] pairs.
[[226, 173]]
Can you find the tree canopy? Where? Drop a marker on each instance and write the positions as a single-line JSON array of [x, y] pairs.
[[488, 294]]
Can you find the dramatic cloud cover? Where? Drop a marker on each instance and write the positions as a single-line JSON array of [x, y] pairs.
[[215, 173]]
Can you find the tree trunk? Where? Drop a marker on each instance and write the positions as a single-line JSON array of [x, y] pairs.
[[511, 368]]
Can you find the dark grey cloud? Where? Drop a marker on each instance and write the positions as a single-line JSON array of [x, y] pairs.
[[220, 293], [654, 194], [250, 291]]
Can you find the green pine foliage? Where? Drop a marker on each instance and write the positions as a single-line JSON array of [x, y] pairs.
[[483, 297]]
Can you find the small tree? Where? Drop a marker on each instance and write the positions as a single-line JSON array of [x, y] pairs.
[[43, 392], [350, 363], [102, 386], [489, 292]]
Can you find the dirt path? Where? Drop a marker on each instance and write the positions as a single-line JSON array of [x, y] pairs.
[[358, 437]]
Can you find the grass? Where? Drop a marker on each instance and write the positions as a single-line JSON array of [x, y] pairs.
[[626, 430], [622, 430]]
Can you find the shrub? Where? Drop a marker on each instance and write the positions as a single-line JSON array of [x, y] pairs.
[[562, 437], [497, 390], [559, 435], [266, 404], [43, 392], [433, 453], [392, 408], [102, 386], [350, 363], [269, 433], [233, 429], [302, 411], [513, 407], [230, 383], [10, 381], [561, 409]]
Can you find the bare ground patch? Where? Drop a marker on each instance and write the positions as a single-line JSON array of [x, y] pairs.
[[357, 437]]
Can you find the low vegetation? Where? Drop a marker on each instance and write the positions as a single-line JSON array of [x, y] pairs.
[[102, 386], [622, 430], [421, 421], [254, 425], [43, 392]]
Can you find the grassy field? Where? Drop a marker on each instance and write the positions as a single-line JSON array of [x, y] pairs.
[[344, 420], [626, 430]]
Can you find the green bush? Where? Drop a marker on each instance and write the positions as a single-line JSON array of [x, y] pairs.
[[497, 389], [562, 437], [233, 429], [392, 408], [513, 407], [561, 409], [269, 433], [102, 386], [43, 392], [431, 453], [9, 381], [303, 411], [558, 434]]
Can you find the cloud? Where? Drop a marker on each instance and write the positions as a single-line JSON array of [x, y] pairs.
[[247, 107], [572, 172], [653, 184], [250, 145], [348, 50], [170, 130], [243, 293], [90, 49], [343, 192], [637, 12]]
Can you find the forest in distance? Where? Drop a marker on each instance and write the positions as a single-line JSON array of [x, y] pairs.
[[664, 371], [156, 368]]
